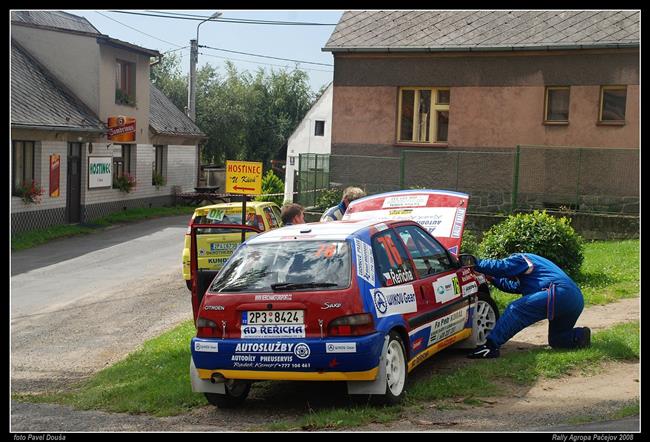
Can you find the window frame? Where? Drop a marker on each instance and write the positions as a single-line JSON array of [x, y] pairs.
[[24, 178], [434, 109], [122, 164], [546, 105], [158, 166], [316, 134], [434, 244], [125, 74], [602, 105]]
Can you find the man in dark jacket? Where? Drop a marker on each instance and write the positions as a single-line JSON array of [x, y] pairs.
[[547, 292]]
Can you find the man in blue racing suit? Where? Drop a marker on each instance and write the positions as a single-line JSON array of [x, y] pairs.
[[547, 293]]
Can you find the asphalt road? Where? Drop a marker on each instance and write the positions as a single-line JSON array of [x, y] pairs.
[[70, 269]]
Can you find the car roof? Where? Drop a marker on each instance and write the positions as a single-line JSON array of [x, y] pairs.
[[252, 204], [332, 231]]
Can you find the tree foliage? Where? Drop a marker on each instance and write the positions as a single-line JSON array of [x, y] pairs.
[[245, 116]]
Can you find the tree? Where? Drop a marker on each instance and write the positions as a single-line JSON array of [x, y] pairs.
[[167, 77]]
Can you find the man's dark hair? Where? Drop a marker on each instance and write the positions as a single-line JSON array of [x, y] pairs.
[[289, 211]]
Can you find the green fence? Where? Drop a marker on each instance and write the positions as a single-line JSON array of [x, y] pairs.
[[527, 177]]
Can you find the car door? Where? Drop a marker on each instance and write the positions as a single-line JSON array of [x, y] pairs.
[[447, 307]]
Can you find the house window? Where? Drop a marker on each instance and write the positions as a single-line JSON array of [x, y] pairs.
[[319, 129], [125, 83], [612, 104], [423, 115], [122, 165], [23, 164], [557, 105], [158, 175]]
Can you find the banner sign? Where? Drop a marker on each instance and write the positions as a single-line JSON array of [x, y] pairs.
[[121, 129], [244, 177], [55, 174], [100, 172]]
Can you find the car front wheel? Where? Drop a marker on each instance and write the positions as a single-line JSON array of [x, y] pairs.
[[236, 393]]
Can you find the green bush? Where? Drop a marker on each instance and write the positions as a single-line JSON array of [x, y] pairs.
[[271, 184], [470, 243], [538, 233], [329, 198]]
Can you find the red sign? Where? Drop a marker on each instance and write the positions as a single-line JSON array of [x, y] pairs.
[[55, 173], [121, 128]]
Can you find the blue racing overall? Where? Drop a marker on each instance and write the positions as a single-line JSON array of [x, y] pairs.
[[547, 293]]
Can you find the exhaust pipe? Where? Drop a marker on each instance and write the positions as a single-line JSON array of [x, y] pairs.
[[217, 378]]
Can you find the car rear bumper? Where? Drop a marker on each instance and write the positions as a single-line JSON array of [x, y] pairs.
[[329, 359]]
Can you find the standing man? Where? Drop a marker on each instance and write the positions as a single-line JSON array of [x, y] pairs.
[[336, 213], [292, 213], [547, 292]]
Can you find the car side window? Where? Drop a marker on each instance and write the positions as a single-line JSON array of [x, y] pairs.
[[270, 217], [277, 214], [429, 256], [393, 263]]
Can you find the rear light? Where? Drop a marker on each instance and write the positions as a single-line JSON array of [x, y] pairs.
[[206, 328], [353, 325]]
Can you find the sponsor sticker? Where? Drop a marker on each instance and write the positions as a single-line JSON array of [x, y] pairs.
[[208, 347], [446, 288], [448, 325], [405, 201], [365, 261], [458, 222], [272, 331], [398, 276], [469, 288], [341, 347], [394, 300], [288, 297]]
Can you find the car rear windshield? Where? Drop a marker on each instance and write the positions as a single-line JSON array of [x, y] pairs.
[[230, 218], [282, 266]]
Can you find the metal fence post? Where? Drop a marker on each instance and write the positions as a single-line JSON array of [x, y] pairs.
[[515, 180], [315, 178], [578, 179]]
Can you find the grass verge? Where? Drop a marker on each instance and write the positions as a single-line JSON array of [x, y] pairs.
[[26, 240], [631, 409], [155, 380]]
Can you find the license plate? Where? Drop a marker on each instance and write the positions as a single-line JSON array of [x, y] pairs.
[[273, 317]]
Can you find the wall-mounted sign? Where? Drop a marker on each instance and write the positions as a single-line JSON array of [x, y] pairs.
[[121, 129], [243, 177], [55, 174], [100, 173]]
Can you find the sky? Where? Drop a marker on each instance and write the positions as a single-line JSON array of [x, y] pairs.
[[293, 42]]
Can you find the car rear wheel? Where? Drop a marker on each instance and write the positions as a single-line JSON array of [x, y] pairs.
[[236, 393], [487, 314], [188, 283], [396, 369]]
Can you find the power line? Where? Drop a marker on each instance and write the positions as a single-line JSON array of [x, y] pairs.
[[266, 56], [259, 62], [227, 20], [137, 30]]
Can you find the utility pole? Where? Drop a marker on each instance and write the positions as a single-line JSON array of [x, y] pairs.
[[191, 94], [194, 59]]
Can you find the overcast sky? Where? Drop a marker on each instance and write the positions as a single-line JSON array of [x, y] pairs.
[[293, 42]]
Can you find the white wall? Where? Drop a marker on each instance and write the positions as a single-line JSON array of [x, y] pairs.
[[303, 140]]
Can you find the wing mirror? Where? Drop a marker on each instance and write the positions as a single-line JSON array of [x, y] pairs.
[[467, 260]]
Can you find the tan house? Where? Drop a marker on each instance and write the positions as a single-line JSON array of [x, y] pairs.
[[443, 98], [85, 118]]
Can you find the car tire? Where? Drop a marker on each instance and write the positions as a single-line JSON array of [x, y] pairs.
[[188, 283], [487, 315], [396, 371], [236, 394]]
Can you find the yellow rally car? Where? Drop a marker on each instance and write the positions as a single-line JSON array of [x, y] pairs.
[[216, 245]]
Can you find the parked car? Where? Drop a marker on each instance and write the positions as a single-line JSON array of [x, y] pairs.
[[363, 300], [215, 246]]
